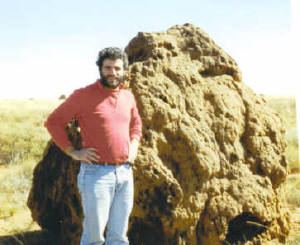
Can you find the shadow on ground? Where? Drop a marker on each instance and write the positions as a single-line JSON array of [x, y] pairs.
[[42, 237]]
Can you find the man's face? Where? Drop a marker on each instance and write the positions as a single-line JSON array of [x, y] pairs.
[[112, 73]]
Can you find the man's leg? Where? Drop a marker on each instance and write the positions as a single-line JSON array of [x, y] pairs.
[[121, 207], [97, 186]]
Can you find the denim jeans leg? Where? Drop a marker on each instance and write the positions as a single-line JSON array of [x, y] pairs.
[[97, 186], [121, 207]]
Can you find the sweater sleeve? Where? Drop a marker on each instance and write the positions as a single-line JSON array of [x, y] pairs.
[[135, 122], [60, 117]]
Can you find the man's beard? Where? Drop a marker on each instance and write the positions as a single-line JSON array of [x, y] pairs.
[[110, 84]]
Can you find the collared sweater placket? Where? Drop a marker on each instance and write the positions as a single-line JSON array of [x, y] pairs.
[[116, 102], [114, 99]]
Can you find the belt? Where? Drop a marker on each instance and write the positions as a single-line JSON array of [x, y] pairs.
[[113, 163], [109, 163]]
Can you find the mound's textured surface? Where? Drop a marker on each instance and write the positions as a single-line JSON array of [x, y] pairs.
[[211, 164]]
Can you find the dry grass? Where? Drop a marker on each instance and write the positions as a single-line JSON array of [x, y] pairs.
[[285, 106], [295, 241], [293, 190], [22, 142], [15, 182], [21, 125]]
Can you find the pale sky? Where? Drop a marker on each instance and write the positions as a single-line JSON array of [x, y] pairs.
[[49, 48]]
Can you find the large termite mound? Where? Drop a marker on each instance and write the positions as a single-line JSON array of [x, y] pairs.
[[211, 163]]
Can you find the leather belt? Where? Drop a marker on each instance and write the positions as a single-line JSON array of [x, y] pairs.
[[109, 163], [114, 163]]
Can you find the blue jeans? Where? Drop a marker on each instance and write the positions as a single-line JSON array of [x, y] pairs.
[[107, 200]]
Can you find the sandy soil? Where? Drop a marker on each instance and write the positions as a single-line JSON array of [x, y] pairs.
[[11, 234]]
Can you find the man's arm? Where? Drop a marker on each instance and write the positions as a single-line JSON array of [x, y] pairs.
[[135, 132], [60, 117], [57, 122]]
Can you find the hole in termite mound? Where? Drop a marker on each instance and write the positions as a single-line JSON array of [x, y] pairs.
[[244, 228]]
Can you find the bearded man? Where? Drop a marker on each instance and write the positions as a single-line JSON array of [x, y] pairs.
[[110, 129]]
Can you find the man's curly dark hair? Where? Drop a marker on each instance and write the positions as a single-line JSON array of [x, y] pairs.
[[112, 53]]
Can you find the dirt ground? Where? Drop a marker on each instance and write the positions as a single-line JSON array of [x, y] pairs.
[[36, 236]]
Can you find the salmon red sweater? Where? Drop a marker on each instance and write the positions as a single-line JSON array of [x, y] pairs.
[[108, 120]]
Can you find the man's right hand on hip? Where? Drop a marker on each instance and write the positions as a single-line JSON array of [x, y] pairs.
[[88, 155]]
